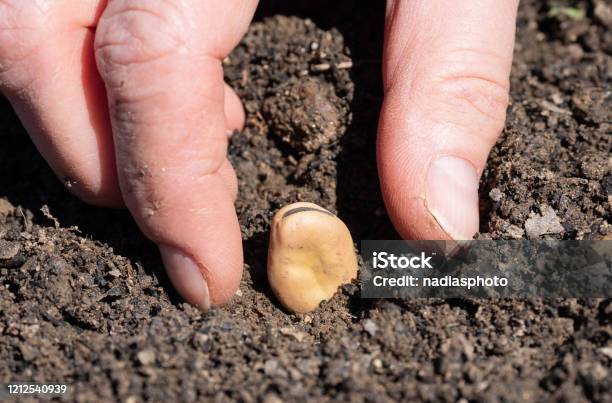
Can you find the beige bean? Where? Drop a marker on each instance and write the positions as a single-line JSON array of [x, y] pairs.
[[310, 255]]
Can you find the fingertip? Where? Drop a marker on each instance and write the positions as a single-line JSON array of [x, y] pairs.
[[202, 247], [186, 277], [444, 207], [101, 193], [452, 196], [223, 266], [198, 284]]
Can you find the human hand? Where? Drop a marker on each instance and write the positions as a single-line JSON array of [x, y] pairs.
[[446, 74], [151, 70]]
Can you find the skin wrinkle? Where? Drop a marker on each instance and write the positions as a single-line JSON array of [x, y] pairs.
[[127, 11], [206, 175], [447, 116], [482, 136], [465, 82], [176, 11], [141, 181], [497, 90], [141, 60], [173, 13], [488, 98], [201, 166], [124, 104], [110, 54], [196, 154], [127, 121], [173, 174], [175, 22], [121, 74]]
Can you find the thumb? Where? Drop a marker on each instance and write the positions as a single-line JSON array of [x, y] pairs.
[[445, 70], [161, 65]]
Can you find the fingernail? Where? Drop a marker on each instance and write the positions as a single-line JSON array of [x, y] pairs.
[[229, 133], [452, 196], [186, 277]]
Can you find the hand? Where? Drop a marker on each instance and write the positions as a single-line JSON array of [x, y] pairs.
[[445, 71], [154, 68]]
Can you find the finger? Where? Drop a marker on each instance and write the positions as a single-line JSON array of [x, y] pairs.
[[161, 63], [446, 70], [234, 112], [58, 94]]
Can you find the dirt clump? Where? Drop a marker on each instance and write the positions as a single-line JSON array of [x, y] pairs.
[[303, 114]]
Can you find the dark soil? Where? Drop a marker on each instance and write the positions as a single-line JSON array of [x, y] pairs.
[[91, 306]]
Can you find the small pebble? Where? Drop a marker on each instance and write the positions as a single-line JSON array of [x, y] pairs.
[[496, 195], [547, 223], [146, 357], [370, 327]]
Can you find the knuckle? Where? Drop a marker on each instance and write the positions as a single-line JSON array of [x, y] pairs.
[[139, 33], [478, 97], [475, 84], [474, 104]]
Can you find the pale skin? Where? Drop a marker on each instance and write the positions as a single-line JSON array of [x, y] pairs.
[[125, 99]]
